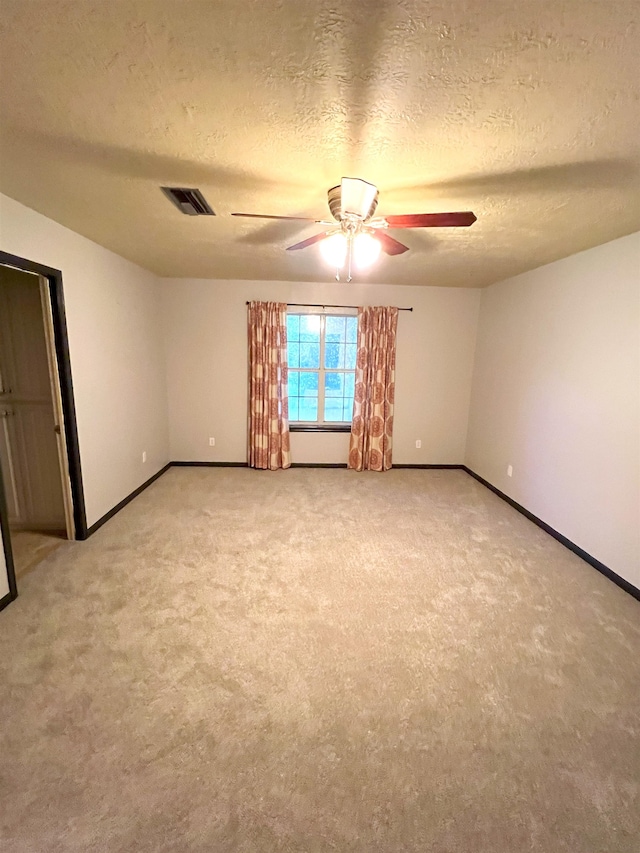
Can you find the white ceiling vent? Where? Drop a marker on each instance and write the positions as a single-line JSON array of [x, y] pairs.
[[188, 201]]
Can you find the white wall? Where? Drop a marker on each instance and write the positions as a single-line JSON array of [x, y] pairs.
[[117, 362], [205, 332], [556, 394]]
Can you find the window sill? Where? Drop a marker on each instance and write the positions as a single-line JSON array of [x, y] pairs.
[[319, 428]]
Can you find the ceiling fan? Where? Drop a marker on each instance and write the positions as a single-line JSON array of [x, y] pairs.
[[356, 234]]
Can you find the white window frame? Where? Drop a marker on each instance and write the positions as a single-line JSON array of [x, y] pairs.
[[322, 313]]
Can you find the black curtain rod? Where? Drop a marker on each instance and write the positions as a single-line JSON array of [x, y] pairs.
[[308, 305]]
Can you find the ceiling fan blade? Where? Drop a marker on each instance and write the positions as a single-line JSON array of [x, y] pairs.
[[431, 220], [308, 242], [267, 216], [389, 244]]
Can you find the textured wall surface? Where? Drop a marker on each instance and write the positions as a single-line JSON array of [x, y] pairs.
[[525, 112], [205, 337], [556, 394], [115, 343]]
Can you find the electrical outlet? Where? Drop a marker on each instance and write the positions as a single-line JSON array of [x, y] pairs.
[[418, 444], [144, 455], [509, 470], [212, 442]]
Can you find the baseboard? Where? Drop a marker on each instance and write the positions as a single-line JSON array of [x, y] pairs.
[[98, 524], [301, 465], [208, 464], [318, 465], [579, 552], [430, 466], [7, 599], [244, 465]]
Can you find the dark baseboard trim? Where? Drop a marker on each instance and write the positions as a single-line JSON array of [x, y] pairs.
[[302, 465], [318, 465], [596, 564], [208, 464], [244, 465], [7, 599], [429, 466], [98, 524]]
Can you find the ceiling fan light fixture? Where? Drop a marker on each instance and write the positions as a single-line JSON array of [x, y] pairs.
[[334, 250], [366, 250], [358, 197]]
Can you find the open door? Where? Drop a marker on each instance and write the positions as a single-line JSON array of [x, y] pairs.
[[29, 446], [58, 409], [40, 479]]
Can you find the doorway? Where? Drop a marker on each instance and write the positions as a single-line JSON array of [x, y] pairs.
[[39, 461]]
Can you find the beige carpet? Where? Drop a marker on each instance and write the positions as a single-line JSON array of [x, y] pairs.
[[319, 660], [30, 547]]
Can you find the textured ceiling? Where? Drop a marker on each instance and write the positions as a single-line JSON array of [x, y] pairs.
[[527, 113]]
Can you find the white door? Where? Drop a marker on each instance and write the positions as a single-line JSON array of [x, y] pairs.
[[28, 444]]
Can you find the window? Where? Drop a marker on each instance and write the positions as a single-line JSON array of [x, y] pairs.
[[322, 361]]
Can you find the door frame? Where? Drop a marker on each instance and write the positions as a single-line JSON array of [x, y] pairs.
[[8, 553], [58, 317]]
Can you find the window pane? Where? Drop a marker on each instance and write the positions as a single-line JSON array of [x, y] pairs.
[[293, 383], [352, 330], [308, 384], [293, 354], [310, 328], [350, 357], [293, 327], [308, 409], [309, 355], [293, 408], [335, 329], [333, 384], [333, 409], [349, 384], [348, 408], [332, 355]]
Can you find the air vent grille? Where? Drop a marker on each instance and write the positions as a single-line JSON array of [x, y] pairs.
[[188, 201]]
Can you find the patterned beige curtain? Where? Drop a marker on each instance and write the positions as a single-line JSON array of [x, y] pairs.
[[372, 426], [268, 402]]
